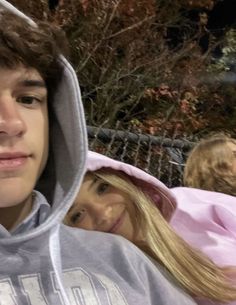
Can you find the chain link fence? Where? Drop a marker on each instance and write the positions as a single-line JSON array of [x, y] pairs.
[[160, 156]]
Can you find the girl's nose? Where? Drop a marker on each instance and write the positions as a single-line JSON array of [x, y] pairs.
[[102, 216]]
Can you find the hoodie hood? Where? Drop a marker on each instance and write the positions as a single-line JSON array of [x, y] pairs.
[[64, 170], [160, 194]]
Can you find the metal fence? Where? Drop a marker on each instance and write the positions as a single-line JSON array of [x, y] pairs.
[[160, 156]]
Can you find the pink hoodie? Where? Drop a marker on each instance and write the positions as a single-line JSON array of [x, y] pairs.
[[206, 220]]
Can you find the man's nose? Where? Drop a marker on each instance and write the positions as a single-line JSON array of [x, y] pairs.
[[11, 121]]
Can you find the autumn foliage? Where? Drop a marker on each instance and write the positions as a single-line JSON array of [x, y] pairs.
[[142, 63]]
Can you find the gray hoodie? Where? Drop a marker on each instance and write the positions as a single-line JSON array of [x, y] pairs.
[[43, 262]]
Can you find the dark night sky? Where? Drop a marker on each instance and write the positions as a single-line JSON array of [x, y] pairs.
[[222, 15]]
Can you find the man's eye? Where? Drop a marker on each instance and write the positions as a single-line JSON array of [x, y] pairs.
[[102, 188], [28, 100], [77, 216]]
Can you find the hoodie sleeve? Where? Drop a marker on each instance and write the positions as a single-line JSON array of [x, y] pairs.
[[127, 275]]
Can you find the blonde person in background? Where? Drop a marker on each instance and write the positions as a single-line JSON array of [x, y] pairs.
[[211, 165], [121, 199]]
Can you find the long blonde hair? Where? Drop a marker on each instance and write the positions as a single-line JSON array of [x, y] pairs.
[[197, 274], [209, 165]]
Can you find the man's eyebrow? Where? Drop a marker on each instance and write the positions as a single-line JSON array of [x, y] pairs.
[[32, 83]]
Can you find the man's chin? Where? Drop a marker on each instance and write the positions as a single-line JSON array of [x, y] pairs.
[[13, 195]]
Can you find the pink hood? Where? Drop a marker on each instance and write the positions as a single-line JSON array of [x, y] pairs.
[[164, 200], [206, 220]]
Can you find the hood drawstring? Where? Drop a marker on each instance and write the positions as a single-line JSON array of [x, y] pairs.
[[55, 255]]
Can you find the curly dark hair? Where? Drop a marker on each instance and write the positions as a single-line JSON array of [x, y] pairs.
[[32, 46]]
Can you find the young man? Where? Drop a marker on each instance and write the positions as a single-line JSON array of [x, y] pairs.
[[43, 133]]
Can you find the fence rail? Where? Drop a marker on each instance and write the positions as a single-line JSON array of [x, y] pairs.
[[106, 134]]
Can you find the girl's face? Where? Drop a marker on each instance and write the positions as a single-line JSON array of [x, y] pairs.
[[101, 207]]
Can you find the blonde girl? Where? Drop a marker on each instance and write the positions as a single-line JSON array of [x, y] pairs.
[[121, 199]]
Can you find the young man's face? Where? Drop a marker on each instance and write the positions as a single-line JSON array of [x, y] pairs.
[[23, 133]]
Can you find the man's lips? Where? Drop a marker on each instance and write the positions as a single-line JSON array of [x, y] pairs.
[[12, 160], [117, 223]]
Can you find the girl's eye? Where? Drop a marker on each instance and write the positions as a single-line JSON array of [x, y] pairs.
[[102, 187], [77, 216]]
